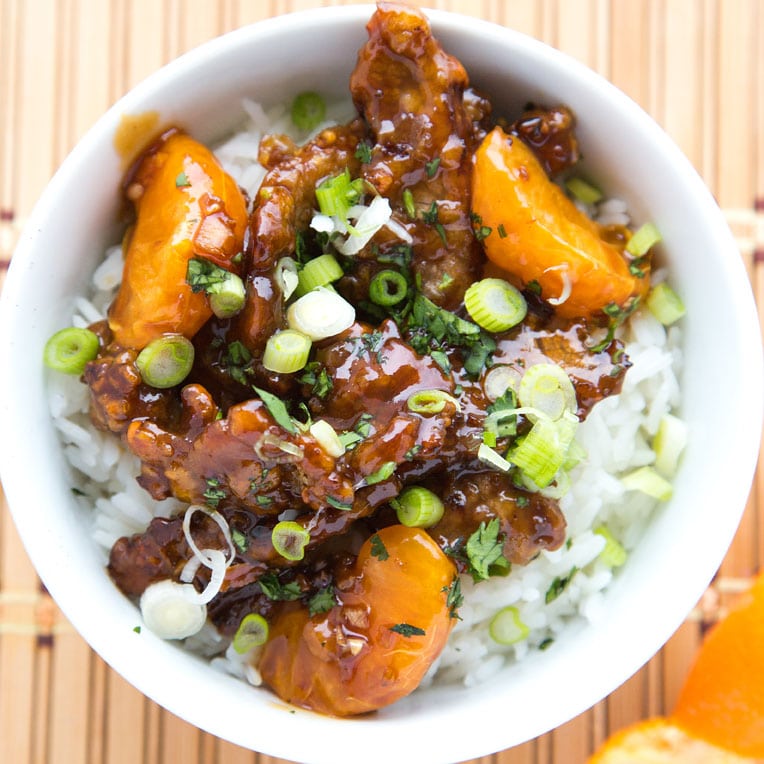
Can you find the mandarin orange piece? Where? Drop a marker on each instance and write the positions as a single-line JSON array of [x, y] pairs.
[[722, 699], [539, 235], [372, 648], [186, 206], [660, 741]]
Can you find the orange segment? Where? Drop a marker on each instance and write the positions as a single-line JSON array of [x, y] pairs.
[[722, 699], [538, 234], [659, 741]]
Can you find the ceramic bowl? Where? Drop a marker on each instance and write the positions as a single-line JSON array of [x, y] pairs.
[[631, 157]]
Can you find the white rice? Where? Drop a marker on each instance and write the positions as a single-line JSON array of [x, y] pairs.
[[616, 438]]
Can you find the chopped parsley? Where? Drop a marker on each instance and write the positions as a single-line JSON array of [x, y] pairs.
[[558, 586], [431, 167], [545, 643], [137, 629], [273, 589], [485, 549], [181, 180], [322, 601], [454, 597], [277, 409], [239, 540], [316, 375], [204, 276], [617, 316], [237, 361], [378, 548], [214, 493], [501, 231], [407, 630], [363, 152]]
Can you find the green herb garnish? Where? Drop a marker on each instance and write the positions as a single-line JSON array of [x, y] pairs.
[[277, 409], [484, 549], [322, 601], [378, 548], [407, 630]]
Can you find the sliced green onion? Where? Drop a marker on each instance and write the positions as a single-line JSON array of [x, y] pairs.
[[70, 349], [583, 191], [492, 458], [286, 351], [408, 203], [321, 313], [335, 196], [252, 632], [383, 473], [668, 444], [495, 304], [613, 554], [576, 454], [643, 239], [166, 361], [308, 110], [289, 539], [665, 304], [387, 288], [500, 379], [227, 298], [506, 627], [547, 387], [327, 438], [286, 276], [648, 481], [318, 272], [417, 507], [430, 401], [168, 609], [541, 453]]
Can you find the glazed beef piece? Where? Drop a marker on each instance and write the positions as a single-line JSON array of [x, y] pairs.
[[528, 522], [550, 134], [424, 124], [283, 207]]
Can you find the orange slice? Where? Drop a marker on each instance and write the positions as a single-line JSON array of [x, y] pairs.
[[660, 741], [539, 235], [722, 699]]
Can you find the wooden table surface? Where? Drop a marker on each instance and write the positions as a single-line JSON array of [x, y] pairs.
[[697, 66]]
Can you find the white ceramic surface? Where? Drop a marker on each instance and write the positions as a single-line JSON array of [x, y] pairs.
[[632, 158]]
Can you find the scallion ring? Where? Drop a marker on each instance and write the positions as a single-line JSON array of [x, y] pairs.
[[547, 387], [665, 304], [318, 272], [227, 297], [643, 239], [495, 304], [70, 349], [388, 288], [430, 401], [166, 361], [418, 507], [506, 627], [252, 632], [169, 612], [286, 351], [308, 110], [289, 539], [321, 313]]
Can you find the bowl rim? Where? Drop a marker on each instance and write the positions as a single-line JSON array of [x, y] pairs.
[[269, 737]]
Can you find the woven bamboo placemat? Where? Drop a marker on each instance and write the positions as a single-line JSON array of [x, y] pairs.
[[696, 65]]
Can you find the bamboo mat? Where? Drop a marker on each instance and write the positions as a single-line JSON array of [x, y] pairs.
[[696, 65]]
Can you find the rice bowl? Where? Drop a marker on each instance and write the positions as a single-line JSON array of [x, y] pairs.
[[637, 588]]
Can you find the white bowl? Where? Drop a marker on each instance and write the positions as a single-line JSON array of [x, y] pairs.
[[722, 391]]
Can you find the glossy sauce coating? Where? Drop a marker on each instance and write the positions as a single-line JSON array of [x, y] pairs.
[[186, 206], [374, 646]]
